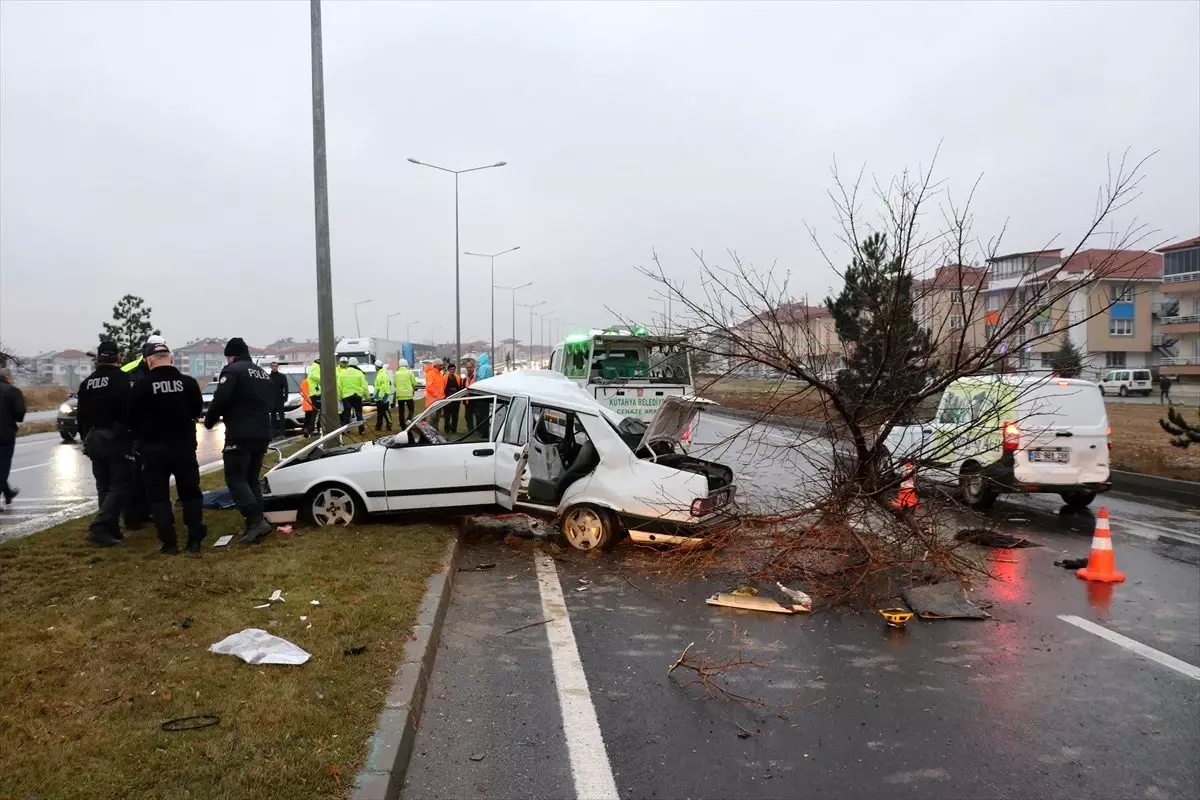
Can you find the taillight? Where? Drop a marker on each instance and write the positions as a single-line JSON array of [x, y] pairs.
[[1012, 436], [1108, 433], [702, 506]]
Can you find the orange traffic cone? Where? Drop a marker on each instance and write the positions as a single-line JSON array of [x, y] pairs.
[[1101, 565], [907, 498]]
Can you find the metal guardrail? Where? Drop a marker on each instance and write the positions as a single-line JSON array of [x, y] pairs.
[[1181, 277], [1179, 361], [1181, 319]]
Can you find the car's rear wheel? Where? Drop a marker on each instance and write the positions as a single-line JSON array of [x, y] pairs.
[[1123, 391], [589, 528], [332, 504], [1077, 500], [977, 491], [1102, 390], [67, 436]]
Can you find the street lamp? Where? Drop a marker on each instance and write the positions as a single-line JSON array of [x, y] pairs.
[[492, 258], [433, 337], [543, 320], [357, 329], [531, 307], [457, 291], [514, 289], [388, 327], [408, 330]]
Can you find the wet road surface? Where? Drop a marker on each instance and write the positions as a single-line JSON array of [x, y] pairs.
[[1024, 704]]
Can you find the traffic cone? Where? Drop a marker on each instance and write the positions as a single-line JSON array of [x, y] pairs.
[[907, 498], [1101, 565]]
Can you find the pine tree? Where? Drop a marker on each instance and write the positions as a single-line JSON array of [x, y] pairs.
[[890, 354], [130, 327], [1183, 433], [1067, 361]]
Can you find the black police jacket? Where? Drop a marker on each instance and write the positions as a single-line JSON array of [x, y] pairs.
[[164, 407], [279, 383], [104, 401], [244, 399]]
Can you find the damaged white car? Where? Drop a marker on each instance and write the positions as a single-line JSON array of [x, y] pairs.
[[530, 441]]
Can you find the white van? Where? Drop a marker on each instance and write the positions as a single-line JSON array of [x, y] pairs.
[[1012, 433], [1126, 382]]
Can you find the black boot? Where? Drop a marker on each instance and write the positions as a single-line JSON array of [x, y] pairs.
[[169, 546], [101, 538], [195, 537], [255, 531]]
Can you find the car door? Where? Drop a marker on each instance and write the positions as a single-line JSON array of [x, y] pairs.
[[512, 451], [446, 474]]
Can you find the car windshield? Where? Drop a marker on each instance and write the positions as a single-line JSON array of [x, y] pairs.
[[210, 388]]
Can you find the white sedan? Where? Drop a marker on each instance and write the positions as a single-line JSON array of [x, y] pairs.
[[527, 440]]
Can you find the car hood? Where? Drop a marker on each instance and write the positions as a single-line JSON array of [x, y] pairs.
[[308, 448], [674, 416]]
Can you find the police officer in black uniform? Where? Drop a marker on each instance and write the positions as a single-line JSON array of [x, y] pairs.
[[279, 382], [163, 409], [244, 398], [103, 415], [135, 511]]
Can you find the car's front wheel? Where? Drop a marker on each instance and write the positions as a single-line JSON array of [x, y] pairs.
[[67, 436], [1123, 391], [589, 528], [333, 505], [1102, 390], [977, 491], [1077, 500]]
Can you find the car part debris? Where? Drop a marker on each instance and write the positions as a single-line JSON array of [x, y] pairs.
[[896, 617], [1071, 563], [187, 623], [800, 600], [264, 605], [191, 723], [942, 601], [276, 597], [256, 646], [531, 625], [748, 603], [477, 568], [315, 602], [224, 540], [355, 651], [988, 538], [478, 756], [285, 529], [745, 591]]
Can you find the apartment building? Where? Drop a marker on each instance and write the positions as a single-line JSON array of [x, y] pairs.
[[63, 367], [1178, 338], [951, 305]]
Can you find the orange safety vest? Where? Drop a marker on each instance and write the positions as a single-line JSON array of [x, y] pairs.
[[306, 403], [435, 385]]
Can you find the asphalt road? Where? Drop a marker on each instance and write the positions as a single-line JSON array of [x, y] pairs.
[[1032, 702], [55, 478]]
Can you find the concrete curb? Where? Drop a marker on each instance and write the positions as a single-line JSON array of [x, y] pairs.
[[1184, 493], [391, 745]]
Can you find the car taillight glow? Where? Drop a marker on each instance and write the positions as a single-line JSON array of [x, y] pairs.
[[702, 506], [1012, 436], [1108, 433]]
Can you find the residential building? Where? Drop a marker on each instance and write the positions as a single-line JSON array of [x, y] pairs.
[[804, 333], [64, 368], [290, 350], [201, 359], [951, 305], [1179, 319]]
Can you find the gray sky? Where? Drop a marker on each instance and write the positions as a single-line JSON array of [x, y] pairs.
[[165, 148]]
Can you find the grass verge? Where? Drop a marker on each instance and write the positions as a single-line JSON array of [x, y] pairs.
[[94, 657], [30, 428], [44, 398]]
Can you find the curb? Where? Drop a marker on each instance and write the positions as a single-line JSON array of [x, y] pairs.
[[390, 746], [1184, 493]]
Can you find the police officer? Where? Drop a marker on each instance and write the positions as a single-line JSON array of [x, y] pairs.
[[135, 511], [383, 396], [314, 394], [163, 408], [243, 399], [279, 382], [103, 416], [404, 383]]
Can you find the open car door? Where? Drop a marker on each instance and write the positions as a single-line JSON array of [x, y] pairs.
[[512, 451]]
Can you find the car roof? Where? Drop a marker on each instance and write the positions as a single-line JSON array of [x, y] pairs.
[[1025, 379], [544, 386]]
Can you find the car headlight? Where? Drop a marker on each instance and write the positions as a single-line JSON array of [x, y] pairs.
[[292, 406], [66, 409]]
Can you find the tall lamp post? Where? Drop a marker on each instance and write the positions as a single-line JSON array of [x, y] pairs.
[[514, 290], [545, 320], [329, 411], [408, 329], [388, 327], [457, 288], [531, 307], [492, 258], [357, 329]]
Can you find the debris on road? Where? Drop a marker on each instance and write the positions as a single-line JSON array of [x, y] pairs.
[[256, 646], [800, 600], [355, 651], [187, 623], [276, 597], [217, 500], [986, 538], [942, 601], [1072, 563], [478, 756], [264, 605], [896, 617], [748, 603], [315, 602], [531, 625], [285, 529], [477, 568], [190, 723], [745, 591], [224, 540]]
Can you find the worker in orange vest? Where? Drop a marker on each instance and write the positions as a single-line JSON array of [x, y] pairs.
[[435, 387], [306, 404]]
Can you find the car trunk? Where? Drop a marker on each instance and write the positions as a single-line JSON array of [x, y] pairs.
[[1063, 434], [662, 435]]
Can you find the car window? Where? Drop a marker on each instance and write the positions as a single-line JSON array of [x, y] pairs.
[[1141, 375], [954, 409], [516, 431]]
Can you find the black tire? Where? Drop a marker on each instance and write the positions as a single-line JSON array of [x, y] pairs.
[[1124, 392], [66, 436], [332, 504], [1101, 391], [1077, 501], [589, 528], [977, 491]]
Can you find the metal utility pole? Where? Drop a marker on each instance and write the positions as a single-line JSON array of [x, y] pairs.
[[492, 258], [357, 329], [531, 307], [408, 330], [457, 288], [514, 290], [546, 321], [328, 370], [388, 327]]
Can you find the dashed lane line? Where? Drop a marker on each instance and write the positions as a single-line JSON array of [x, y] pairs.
[[590, 767], [1145, 651]]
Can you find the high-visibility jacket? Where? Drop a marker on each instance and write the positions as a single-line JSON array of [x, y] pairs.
[[306, 403], [435, 385], [383, 384], [405, 383], [351, 381], [132, 365], [314, 379]]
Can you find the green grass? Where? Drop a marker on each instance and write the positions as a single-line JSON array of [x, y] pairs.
[[30, 428], [94, 658]]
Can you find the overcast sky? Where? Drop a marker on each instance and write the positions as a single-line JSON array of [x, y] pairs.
[[165, 148]]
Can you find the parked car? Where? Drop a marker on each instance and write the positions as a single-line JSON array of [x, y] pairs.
[[68, 425], [1127, 381], [1012, 433], [532, 441]]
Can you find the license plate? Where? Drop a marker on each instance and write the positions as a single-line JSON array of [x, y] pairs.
[[1050, 456]]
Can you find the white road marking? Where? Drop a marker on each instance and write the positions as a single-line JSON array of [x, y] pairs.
[[32, 466], [1145, 651], [1151, 525], [590, 767]]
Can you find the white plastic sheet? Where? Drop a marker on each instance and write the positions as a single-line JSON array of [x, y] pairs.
[[256, 646]]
